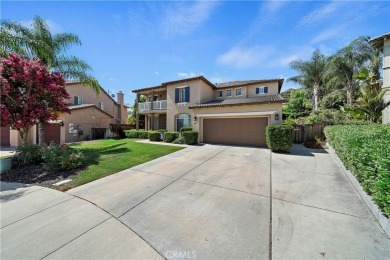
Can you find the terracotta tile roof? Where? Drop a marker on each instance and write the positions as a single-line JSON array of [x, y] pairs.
[[239, 83], [74, 107], [241, 101], [175, 81]]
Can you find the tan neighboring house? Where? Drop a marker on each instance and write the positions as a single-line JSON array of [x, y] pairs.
[[90, 117], [234, 112], [382, 43]]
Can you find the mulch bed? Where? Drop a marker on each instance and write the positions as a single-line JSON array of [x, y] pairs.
[[36, 174]]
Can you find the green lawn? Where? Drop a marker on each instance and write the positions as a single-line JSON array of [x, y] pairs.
[[105, 157]]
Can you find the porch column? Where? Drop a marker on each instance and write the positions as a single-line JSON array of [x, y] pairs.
[[137, 115], [151, 102], [152, 121], [146, 122]]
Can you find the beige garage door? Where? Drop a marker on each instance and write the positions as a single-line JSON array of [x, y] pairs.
[[235, 131]]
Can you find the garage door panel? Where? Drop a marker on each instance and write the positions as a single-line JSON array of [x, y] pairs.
[[235, 131]]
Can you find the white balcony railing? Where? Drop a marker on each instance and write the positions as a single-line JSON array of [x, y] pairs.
[[157, 105]]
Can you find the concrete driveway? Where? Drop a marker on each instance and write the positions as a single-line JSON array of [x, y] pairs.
[[207, 202]]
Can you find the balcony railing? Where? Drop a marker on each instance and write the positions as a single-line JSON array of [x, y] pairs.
[[157, 105]]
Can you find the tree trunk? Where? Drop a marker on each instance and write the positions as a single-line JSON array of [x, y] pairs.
[[41, 133], [23, 135], [350, 95], [315, 94]]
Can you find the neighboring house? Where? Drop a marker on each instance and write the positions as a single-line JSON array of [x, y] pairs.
[[234, 112], [90, 117], [382, 43], [286, 94]]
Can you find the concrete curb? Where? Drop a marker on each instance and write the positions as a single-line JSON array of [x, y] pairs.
[[383, 221]]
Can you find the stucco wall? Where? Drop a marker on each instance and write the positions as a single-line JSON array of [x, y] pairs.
[[249, 91], [86, 118], [15, 139], [386, 79], [199, 92], [90, 97]]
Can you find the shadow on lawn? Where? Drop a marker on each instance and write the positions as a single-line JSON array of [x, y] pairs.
[[92, 155]]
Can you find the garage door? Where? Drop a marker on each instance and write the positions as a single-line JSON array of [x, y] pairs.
[[5, 136], [235, 131], [52, 133]]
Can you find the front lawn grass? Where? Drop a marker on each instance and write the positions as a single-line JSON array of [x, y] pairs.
[[108, 156]]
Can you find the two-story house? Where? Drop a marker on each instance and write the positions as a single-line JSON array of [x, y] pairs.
[[234, 112], [90, 117]]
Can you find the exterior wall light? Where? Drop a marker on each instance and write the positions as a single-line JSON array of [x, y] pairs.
[[276, 116], [195, 118], [61, 123]]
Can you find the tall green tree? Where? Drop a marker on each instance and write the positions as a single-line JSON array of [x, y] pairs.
[[38, 41], [346, 63], [311, 74], [371, 100]]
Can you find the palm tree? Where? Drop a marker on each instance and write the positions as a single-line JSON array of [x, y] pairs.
[[346, 63], [371, 100], [39, 42], [310, 74]]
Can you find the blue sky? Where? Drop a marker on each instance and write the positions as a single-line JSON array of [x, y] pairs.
[[133, 45]]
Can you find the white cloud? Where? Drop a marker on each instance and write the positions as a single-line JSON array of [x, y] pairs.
[[187, 74], [326, 35], [246, 57], [53, 26], [273, 6], [156, 73], [184, 18], [320, 14]]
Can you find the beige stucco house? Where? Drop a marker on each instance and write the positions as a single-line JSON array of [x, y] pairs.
[[382, 43], [234, 112], [90, 117]]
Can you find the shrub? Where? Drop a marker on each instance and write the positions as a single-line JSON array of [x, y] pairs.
[[143, 134], [63, 157], [162, 130], [171, 136], [184, 129], [279, 137], [179, 140], [131, 133], [365, 151], [29, 153], [154, 136], [190, 137]]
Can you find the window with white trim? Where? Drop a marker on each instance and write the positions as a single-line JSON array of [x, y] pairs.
[[261, 90], [182, 94], [229, 93], [238, 92], [219, 94], [183, 120], [101, 105], [77, 100]]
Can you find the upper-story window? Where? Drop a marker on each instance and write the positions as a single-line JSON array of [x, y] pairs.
[[219, 94], [182, 94], [229, 93], [238, 92], [77, 100], [101, 105], [261, 90]]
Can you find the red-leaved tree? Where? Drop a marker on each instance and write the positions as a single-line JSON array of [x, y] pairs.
[[30, 94]]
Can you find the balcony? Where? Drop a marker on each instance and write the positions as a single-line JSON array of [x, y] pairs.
[[157, 105]]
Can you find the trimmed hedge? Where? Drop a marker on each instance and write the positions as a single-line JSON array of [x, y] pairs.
[[190, 137], [279, 137], [131, 133], [365, 151], [185, 129], [154, 136], [143, 134], [169, 137]]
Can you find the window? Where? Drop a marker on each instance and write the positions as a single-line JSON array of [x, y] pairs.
[[77, 100], [155, 98], [182, 94], [261, 90], [183, 120], [228, 93], [101, 105], [238, 92], [219, 94]]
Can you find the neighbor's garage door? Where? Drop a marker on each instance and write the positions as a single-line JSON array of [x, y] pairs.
[[5, 136], [235, 131], [52, 133]]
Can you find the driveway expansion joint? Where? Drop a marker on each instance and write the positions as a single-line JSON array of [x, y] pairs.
[[36, 213]]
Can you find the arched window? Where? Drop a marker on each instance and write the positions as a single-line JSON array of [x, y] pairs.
[[183, 120]]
